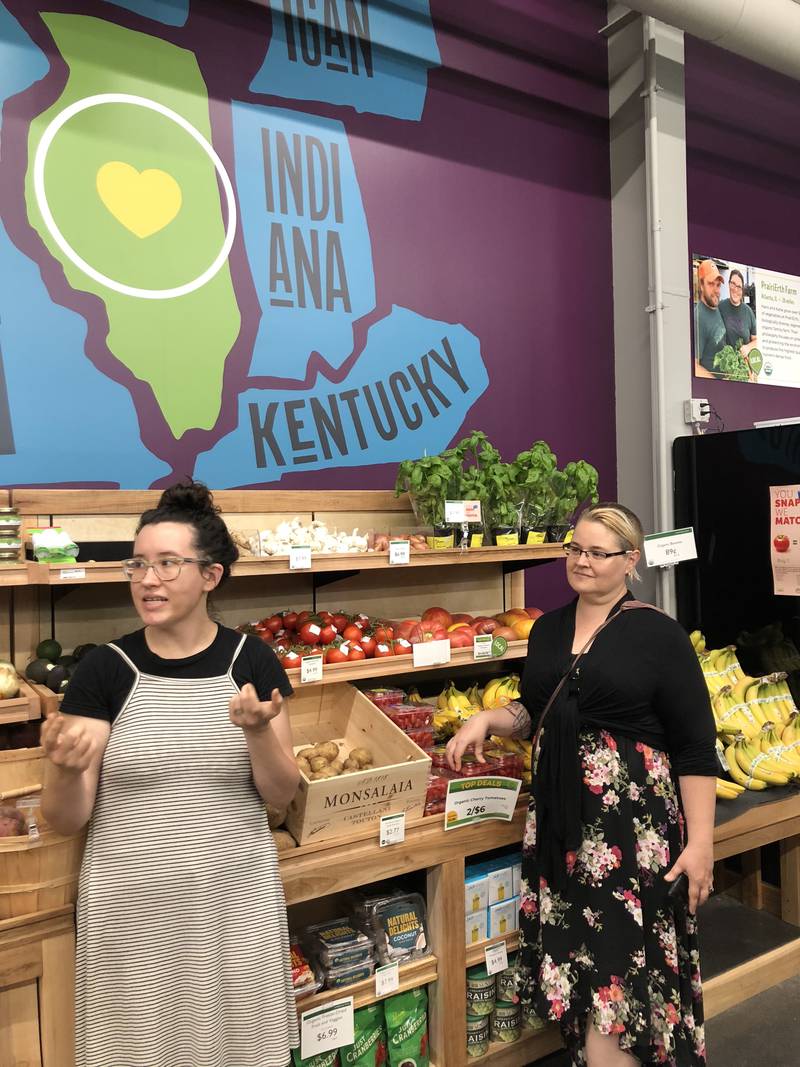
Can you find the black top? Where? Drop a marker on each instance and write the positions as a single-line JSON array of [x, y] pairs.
[[640, 680], [102, 680]]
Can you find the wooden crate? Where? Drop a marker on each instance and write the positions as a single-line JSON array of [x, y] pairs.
[[22, 708], [20, 767], [50, 702], [38, 874], [335, 807]]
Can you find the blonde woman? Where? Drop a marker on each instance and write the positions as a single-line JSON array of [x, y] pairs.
[[623, 804]]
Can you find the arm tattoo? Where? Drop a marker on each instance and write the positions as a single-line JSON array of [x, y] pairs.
[[522, 720]]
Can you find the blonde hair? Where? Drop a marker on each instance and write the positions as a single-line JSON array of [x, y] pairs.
[[620, 521]]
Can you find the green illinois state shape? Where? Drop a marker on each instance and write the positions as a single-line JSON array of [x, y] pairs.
[[131, 188]]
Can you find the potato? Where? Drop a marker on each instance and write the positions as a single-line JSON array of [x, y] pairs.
[[337, 766], [330, 750], [275, 816], [326, 772], [304, 766], [363, 756], [318, 763], [284, 840], [307, 753], [351, 765]]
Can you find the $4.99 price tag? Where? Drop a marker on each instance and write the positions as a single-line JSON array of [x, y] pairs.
[[311, 668], [496, 957], [399, 553], [323, 1029], [299, 557]]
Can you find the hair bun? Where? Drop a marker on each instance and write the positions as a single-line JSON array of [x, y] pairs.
[[192, 497]]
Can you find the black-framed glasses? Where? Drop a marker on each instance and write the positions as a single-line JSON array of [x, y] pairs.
[[166, 569], [596, 554]]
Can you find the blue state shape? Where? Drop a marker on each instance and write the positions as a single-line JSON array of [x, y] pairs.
[[328, 56], [416, 378], [277, 190], [70, 422], [21, 62], [168, 12]]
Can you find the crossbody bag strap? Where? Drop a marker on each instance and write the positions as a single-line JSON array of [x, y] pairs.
[[627, 606]]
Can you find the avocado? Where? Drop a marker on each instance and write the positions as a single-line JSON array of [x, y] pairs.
[[81, 650], [36, 670], [55, 676], [66, 661], [49, 649]]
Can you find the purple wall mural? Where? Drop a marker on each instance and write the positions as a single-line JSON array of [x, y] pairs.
[[743, 160]]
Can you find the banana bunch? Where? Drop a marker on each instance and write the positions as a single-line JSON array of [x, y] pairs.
[[501, 691], [754, 767], [721, 667], [413, 696], [698, 642], [513, 744], [728, 790], [771, 698], [456, 704], [732, 714], [790, 735]]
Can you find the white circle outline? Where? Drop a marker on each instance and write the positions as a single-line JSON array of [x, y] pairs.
[[47, 215]]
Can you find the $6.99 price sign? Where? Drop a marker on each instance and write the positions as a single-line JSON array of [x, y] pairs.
[[323, 1029]]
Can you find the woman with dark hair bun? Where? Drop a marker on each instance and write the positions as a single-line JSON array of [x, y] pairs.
[[169, 742]]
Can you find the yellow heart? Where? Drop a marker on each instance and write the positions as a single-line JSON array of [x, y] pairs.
[[143, 201]]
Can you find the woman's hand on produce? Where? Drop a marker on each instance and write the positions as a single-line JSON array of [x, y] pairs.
[[247, 711], [67, 744], [698, 864], [472, 733]]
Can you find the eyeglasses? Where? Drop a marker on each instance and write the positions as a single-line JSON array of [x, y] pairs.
[[165, 569], [597, 554], [735, 285]]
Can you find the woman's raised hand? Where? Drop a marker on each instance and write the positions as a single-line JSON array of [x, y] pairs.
[[67, 743], [247, 711]]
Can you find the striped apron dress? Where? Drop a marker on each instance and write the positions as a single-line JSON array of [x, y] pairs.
[[183, 947]]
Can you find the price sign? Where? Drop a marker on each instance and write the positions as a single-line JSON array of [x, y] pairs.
[[387, 979], [299, 557], [323, 1029], [72, 573], [311, 668], [496, 957], [459, 511], [482, 646], [431, 653], [667, 549], [399, 553], [393, 829], [471, 800]]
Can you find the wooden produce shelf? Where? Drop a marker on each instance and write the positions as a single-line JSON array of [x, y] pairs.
[[22, 708], [477, 953], [761, 825], [344, 562], [414, 974], [333, 866], [385, 668], [16, 573]]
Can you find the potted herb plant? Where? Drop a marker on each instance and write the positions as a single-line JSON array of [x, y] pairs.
[[476, 452], [532, 472], [502, 501], [429, 482], [573, 487]]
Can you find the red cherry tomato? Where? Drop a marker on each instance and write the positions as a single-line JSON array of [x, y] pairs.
[[302, 618], [327, 633], [309, 633], [401, 647], [384, 633], [361, 620], [290, 658], [351, 632], [356, 651], [275, 623], [334, 654], [325, 616], [340, 620], [290, 620], [368, 643], [382, 651]]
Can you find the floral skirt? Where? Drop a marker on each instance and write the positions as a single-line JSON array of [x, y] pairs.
[[609, 949]]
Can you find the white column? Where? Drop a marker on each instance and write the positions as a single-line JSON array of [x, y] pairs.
[[652, 323]]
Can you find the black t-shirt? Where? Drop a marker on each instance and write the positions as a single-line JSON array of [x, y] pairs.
[[640, 679], [103, 680]]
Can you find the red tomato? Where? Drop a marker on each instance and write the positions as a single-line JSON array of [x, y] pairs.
[[368, 643], [444, 618], [309, 633], [327, 633], [427, 631], [401, 647], [462, 617], [351, 632], [461, 637], [384, 633], [356, 651], [361, 620], [340, 620], [275, 623], [382, 651], [290, 620], [334, 654], [325, 616], [404, 628], [302, 618], [290, 658]]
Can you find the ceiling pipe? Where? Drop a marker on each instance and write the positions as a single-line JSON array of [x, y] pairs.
[[764, 31]]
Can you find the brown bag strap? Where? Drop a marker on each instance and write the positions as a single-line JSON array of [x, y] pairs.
[[627, 606]]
